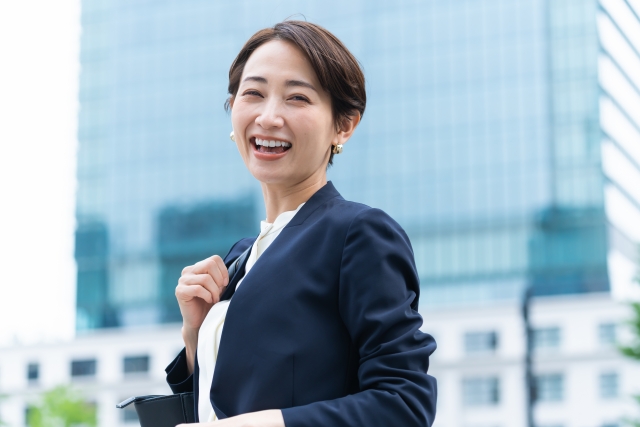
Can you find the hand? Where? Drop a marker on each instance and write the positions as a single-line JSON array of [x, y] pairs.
[[270, 418], [199, 287]]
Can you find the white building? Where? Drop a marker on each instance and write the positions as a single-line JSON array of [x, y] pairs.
[[582, 379], [105, 366]]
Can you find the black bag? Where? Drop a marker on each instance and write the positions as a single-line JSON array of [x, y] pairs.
[[163, 411], [174, 409]]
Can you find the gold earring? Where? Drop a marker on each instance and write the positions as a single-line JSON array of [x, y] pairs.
[[337, 149], [232, 136]]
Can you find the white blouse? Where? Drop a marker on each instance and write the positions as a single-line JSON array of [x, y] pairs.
[[211, 329]]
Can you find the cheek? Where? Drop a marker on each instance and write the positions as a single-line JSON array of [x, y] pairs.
[[318, 130], [236, 118], [241, 115]]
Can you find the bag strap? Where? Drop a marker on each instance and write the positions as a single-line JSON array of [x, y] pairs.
[[236, 272]]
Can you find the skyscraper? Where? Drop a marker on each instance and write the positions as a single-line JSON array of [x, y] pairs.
[[503, 136]]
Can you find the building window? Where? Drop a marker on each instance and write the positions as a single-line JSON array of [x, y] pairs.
[[549, 388], [546, 338], [481, 391], [609, 385], [607, 334], [136, 364], [480, 342], [83, 368], [33, 372]]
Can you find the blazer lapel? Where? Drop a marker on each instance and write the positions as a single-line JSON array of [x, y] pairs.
[[321, 196], [239, 274], [318, 199]]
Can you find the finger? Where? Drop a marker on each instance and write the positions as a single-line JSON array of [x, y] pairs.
[[204, 280], [187, 293], [218, 271], [203, 266], [188, 269], [214, 266]]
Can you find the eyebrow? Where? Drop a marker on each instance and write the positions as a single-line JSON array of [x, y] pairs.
[[294, 83], [288, 83], [255, 79]]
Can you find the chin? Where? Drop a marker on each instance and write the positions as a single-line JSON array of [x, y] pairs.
[[271, 176]]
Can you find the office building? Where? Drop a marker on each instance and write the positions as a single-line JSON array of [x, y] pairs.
[[503, 136]]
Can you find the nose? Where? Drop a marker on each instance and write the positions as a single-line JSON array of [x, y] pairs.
[[270, 116]]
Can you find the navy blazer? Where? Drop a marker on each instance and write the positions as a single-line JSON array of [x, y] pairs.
[[325, 326]]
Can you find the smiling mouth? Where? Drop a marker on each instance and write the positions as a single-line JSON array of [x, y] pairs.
[[270, 146]]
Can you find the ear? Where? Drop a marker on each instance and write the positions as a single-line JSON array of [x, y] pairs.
[[346, 129]]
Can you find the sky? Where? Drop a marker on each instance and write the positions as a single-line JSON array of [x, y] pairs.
[[39, 46]]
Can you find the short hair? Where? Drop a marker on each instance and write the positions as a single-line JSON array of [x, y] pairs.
[[338, 71]]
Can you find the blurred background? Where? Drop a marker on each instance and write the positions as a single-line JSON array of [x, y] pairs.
[[504, 136]]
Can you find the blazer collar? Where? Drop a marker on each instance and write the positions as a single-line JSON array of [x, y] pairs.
[[321, 196]]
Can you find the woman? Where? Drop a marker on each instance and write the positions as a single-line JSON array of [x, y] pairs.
[[323, 328]]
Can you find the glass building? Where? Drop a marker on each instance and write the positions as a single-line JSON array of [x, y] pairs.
[[503, 136]]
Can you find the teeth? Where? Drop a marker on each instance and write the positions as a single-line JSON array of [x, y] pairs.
[[273, 143]]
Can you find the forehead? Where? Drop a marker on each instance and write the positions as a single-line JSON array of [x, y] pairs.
[[278, 59]]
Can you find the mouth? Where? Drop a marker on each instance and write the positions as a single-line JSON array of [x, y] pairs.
[[272, 146]]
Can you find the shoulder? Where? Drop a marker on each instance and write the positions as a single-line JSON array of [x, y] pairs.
[[378, 260], [370, 221], [353, 213], [341, 220], [374, 232]]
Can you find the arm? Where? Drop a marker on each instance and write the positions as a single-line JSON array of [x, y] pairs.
[[199, 287], [378, 295]]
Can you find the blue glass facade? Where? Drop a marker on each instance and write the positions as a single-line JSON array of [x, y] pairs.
[[481, 138]]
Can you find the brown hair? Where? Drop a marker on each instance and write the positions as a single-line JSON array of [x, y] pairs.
[[337, 69]]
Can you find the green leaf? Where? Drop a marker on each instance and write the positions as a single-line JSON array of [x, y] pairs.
[[62, 407], [633, 351], [2, 423]]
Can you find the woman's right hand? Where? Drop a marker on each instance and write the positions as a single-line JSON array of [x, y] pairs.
[[199, 288]]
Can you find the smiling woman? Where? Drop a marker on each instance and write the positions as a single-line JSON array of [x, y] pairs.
[[335, 69], [280, 98], [322, 328]]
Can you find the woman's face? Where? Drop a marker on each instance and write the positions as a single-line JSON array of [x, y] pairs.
[[280, 102]]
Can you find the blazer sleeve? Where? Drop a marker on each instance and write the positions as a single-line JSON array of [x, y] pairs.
[[178, 376], [379, 288]]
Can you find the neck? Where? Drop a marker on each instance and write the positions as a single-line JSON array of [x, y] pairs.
[[282, 198]]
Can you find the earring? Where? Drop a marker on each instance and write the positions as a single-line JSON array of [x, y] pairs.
[[232, 136], [337, 149]]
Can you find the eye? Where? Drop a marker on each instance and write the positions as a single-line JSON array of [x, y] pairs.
[[299, 98], [251, 92]]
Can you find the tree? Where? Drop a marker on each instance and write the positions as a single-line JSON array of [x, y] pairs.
[[632, 351], [2, 422], [62, 407]]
